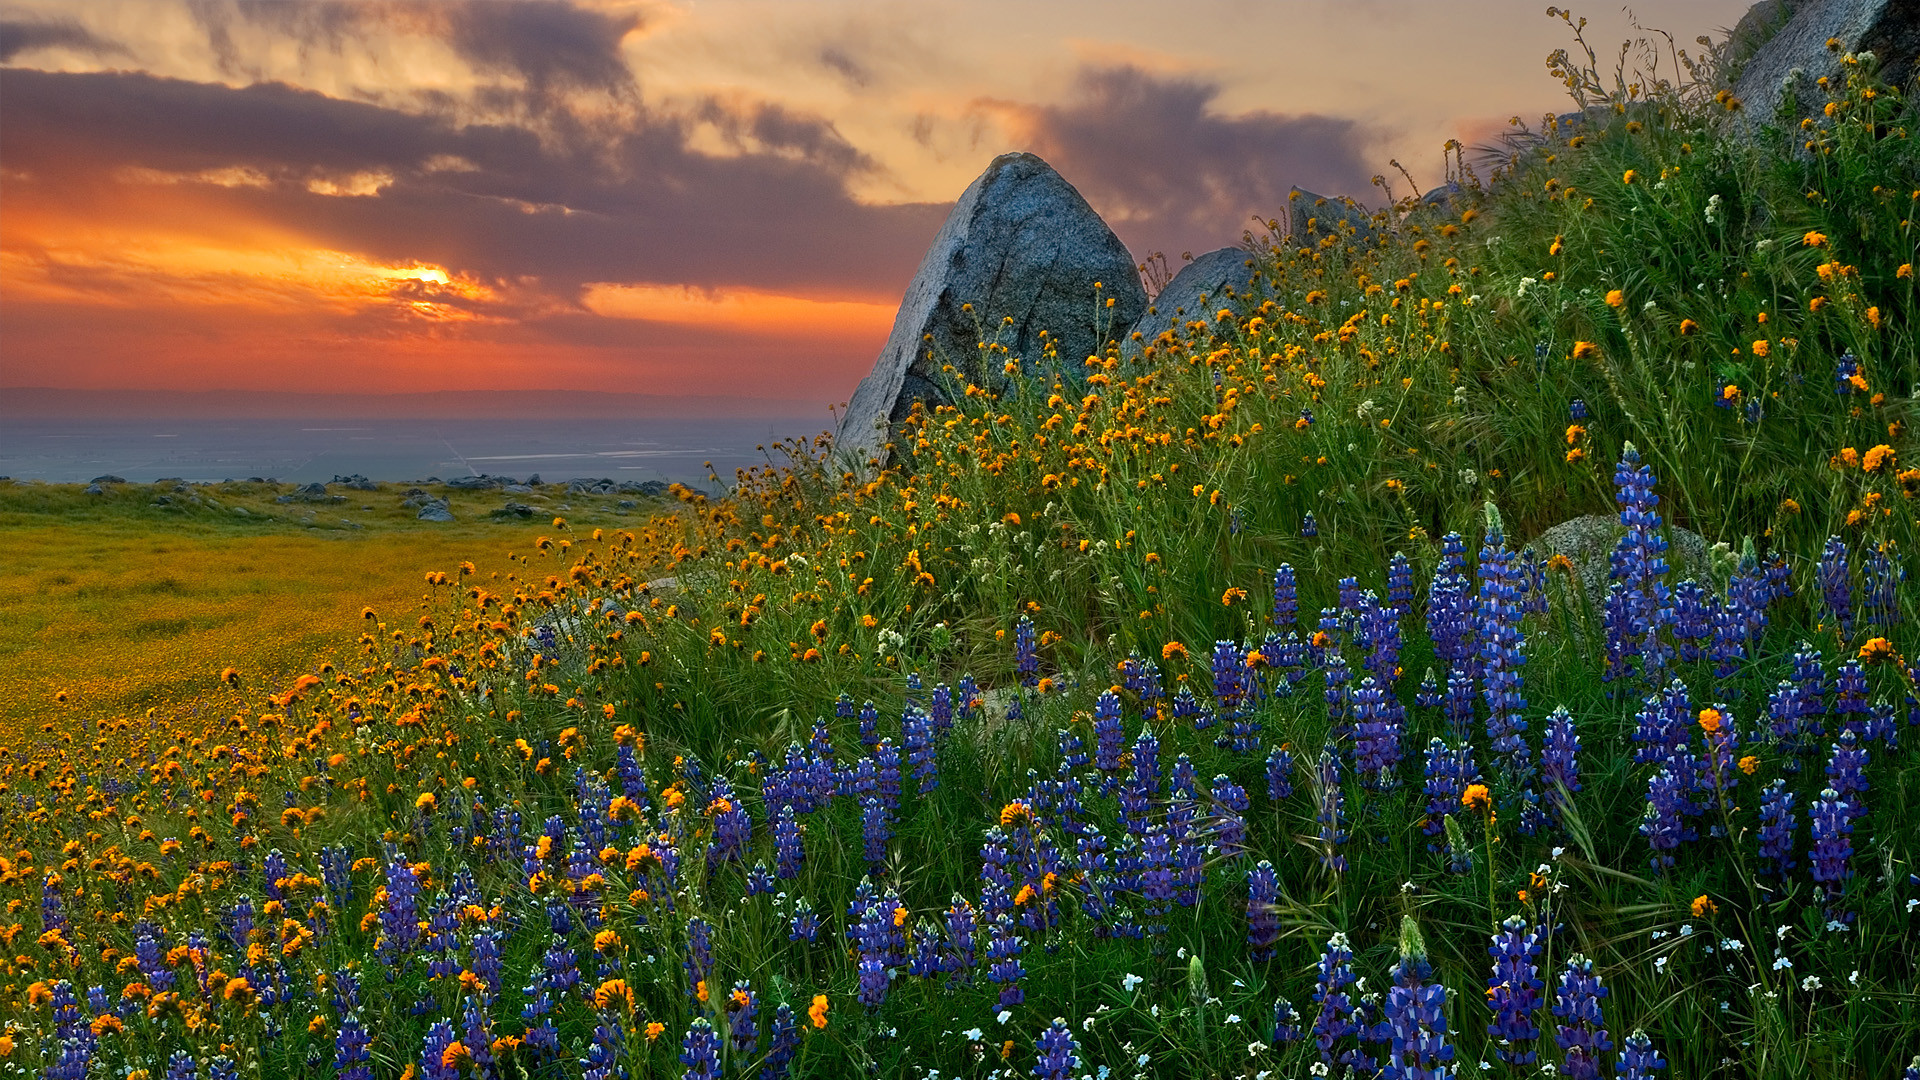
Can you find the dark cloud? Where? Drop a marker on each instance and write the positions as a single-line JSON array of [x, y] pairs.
[[837, 59], [1169, 173], [638, 205], [551, 47], [17, 36]]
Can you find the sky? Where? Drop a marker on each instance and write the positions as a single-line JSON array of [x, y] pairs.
[[722, 198]]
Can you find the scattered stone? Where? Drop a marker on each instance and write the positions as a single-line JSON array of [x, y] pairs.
[[163, 500], [1215, 280], [357, 482], [283, 499], [1021, 244], [476, 483], [108, 479], [588, 485], [1796, 57], [517, 489], [95, 488], [1588, 541], [652, 489], [242, 511], [435, 510], [534, 480], [514, 509], [627, 504], [1310, 217]]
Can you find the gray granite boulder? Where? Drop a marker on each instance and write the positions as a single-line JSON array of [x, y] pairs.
[[1021, 244], [1796, 55], [1588, 541], [435, 510], [1218, 279], [1311, 217]]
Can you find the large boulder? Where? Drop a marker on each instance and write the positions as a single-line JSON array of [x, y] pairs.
[[1796, 56], [1588, 541], [1217, 279], [1021, 244]]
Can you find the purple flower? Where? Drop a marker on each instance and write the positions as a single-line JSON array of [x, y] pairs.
[[351, 1058], [1026, 657], [1832, 843], [1581, 1032], [876, 833], [1058, 1059], [1776, 830], [1664, 823], [1286, 598], [1417, 1022], [1338, 1019], [1376, 736], [743, 1005], [788, 851], [1004, 968], [1309, 528], [1400, 584], [1514, 990], [1279, 775], [1501, 649], [1836, 583], [962, 924], [786, 1045], [804, 926], [1108, 735], [1638, 1060], [700, 1052], [917, 733], [1560, 758], [1263, 926], [1230, 804], [1332, 812], [1638, 609]]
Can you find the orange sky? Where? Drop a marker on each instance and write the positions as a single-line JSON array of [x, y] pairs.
[[711, 197]]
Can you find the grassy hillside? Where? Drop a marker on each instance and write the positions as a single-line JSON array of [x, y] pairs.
[[1205, 714]]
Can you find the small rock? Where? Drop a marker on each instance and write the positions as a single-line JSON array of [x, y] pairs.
[[1311, 217], [517, 489], [283, 499], [534, 480], [1200, 289], [627, 504], [1588, 541], [435, 510], [514, 509], [95, 489], [109, 479], [476, 483], [241, 511]]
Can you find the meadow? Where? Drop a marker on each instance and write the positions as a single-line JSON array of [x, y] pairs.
[[1209, 711]]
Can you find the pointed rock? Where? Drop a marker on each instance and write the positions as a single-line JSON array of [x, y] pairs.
[[1021, 244]]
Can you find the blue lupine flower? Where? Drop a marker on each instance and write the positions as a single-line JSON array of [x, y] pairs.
[[1638, 1060], [1417, 1023], [1156, 877], [1663, 823], [699, 959], [1338, 1017], [1004, 968], [1230, 804], [788, 850], [1638, 609], [804, 926], [433, 1050], [785, 1046], [1881, 598], [352, 1060], [1286, 1023], [1376, 737], [1026, 656], [700, 1052], [1514, 990], [1844, 369], [603, 1057], [1058, 1058], [886, 758], [876, 833], [1845, 773], [1832, 851], [477, 1035], [1332, 813], [743, 1005], [1836, 583], [1399, 584], [1850, 698], [1560, 758], [1309, 528], [1286, 598], [222, 1067], [1335, 677], [1577, 408], [1581, 1032], [1776, 830], [1279, 774], [1502, 649], [962, 925], [732, 828], [1693, 611], [917, 733], [1263, 925], [1108, 735], [181, 1066]]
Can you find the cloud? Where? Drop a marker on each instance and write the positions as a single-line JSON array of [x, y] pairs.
[[19, 36], [1169, 172]]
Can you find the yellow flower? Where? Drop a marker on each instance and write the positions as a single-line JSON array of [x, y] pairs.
[[1627, 177], [426, 801], [654, 1028], [1814, 239], [1616, 298], [1876, 650], [1688, 328], [1477, 797], [817, 1012], [1877, 458], [1703, 906], [1172, 649], [1749, 764], [1710, 720], [1585, 350], [1762, 347]]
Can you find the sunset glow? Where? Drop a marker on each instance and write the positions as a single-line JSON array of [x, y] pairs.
[[649, 196]]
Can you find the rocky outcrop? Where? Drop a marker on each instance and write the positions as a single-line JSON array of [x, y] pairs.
[[1588, 541], [1021, 255], [1217, 279], [435, 510], [1796, 57]]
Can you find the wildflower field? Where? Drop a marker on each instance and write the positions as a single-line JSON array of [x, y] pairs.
[[1203, 710]]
